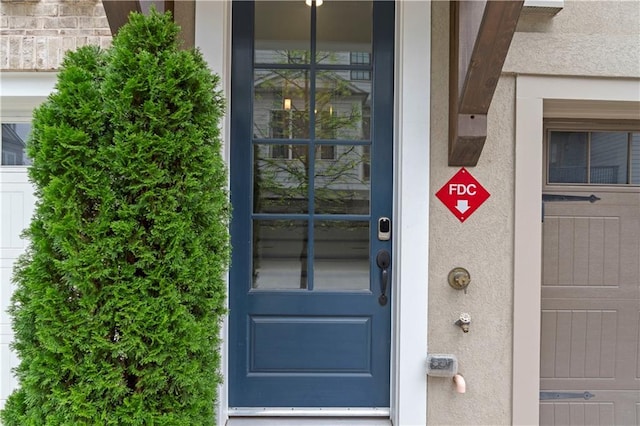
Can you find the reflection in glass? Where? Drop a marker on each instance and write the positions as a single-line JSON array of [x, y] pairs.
[[364, 59], [281, 104], [568, 157], [608, 162], [14, 137], [280, 178], [341, 255], [341, 182], [279, 254], [336, 41], [343, 107], [282, 30], [635, 158]]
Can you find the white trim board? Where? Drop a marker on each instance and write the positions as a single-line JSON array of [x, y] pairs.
[[411, 213], [213, 39], [593, 95], [21, 92]]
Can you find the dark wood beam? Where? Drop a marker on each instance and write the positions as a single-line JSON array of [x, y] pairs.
[[160, 5], [489, 53], [118, 11], [481, 33], [185, 15]]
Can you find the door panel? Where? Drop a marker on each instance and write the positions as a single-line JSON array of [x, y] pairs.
[[321, 344], [590, 307], [311, 173]]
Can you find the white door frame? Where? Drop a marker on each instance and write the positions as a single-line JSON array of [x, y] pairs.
[[538, 97], [411, 233]]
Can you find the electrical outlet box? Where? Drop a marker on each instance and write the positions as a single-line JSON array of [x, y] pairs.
[[442, 365]]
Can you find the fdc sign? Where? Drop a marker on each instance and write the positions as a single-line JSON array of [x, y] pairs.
[[463, 194], [462, 189]]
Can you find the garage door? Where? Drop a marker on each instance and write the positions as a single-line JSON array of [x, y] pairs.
[[590, 368], [16, 207]]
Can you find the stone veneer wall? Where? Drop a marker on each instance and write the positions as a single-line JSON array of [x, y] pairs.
[[35, 34]]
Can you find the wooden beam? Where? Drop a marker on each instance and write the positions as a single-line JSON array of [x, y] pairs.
[[481, 33], [118, 11], [160, 5], [185, 15], [489, 53], [470, 134]]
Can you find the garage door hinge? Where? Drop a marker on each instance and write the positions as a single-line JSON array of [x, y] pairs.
[[558, 197], [565, 395]]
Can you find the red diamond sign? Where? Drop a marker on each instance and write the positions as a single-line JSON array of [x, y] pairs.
[[463, 194]]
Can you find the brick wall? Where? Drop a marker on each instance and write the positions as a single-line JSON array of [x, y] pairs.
[[35, 34]]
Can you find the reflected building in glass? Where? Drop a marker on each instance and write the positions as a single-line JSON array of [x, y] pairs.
[[312, 147]]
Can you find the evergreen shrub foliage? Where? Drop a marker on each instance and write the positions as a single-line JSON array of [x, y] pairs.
[[120, 294]]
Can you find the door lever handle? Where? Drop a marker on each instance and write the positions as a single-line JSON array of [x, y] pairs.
[[383, 259]]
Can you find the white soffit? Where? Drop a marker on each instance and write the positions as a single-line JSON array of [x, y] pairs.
[[543, 6]]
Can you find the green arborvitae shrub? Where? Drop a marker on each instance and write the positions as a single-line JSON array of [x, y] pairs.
[[120, 294]]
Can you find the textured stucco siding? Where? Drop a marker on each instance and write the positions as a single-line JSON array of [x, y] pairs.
[[586, 38], [34, 35], [483, 244]]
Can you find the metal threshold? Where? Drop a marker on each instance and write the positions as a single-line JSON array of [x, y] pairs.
[[308, 421], [276, 416]]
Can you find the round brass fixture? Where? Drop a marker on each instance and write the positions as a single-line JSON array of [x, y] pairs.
[[459, 278]]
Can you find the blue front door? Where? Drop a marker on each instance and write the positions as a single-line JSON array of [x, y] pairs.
[[311, 188]]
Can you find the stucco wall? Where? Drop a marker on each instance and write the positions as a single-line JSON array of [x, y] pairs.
[[595, 38], [483, 245], [586, 38], [35, 34]]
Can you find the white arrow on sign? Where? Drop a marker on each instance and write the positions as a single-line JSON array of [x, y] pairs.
[[462, 206]]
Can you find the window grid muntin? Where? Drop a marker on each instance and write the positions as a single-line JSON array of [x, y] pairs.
[[314, 67]]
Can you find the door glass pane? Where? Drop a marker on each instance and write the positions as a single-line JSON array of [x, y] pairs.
[[14, 139], [341, 183], [281, 104], [341, 255], [280, 178], [282, 32], [635, 158], [609, 151], [336, 40], [568, 157], [279, 254], [343, 107]]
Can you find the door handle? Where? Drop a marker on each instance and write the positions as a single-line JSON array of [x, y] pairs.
[[383, 259]]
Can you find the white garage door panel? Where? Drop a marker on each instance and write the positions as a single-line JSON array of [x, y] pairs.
[[16, 208], [6, 290], [8, 361], [16, 204]]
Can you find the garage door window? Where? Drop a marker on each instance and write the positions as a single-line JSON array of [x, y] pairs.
[[594, 157], [14, 137]]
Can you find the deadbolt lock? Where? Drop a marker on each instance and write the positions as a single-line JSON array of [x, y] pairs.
[[459, 278]]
